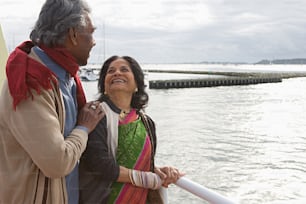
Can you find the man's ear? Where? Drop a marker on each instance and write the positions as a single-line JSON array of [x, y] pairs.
[[73, 36]]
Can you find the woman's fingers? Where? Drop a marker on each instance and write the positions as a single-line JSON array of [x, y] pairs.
[[172, 174]]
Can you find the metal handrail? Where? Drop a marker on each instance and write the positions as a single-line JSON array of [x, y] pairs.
[[202, 192]]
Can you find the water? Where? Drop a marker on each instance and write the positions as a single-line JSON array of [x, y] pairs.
[[245, 142], [229, 67]]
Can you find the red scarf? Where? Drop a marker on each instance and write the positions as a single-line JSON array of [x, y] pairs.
[[24, 73]]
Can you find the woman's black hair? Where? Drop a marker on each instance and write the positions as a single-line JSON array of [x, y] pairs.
[[139, 98]]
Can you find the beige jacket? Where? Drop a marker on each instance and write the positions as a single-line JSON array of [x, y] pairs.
[[34, 156]]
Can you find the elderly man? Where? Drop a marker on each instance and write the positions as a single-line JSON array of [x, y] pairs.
[[44, 117]]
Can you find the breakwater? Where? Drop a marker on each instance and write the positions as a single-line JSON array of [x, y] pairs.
[[210, 82], [211, 79]]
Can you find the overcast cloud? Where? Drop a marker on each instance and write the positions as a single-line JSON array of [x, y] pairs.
[[175, 31]]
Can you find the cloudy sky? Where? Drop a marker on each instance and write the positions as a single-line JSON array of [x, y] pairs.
[[181, 31]]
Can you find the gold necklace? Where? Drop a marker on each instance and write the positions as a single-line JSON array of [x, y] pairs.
[[123, 114]]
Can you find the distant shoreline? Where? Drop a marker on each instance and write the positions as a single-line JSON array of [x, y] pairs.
[[293, 61], [237, 74]]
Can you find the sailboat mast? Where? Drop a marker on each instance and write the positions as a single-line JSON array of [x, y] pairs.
[[104, 49]]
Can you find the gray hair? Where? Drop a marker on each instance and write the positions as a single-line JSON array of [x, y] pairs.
[[56, 18]]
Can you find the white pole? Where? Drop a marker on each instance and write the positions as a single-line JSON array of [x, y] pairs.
[[202, 192]]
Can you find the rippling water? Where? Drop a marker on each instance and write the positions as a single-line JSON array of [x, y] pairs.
[[245, 142]]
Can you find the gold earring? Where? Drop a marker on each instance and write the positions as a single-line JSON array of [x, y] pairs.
[[105, 93], [136, 90]]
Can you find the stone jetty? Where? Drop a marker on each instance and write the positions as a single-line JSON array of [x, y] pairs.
[[219, 79]]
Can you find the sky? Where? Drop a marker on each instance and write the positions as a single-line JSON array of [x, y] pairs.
[[180, 31]]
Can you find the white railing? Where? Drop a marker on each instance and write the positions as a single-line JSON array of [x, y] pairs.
[[202, 192]]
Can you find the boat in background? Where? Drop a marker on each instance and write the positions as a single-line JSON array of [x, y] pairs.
[[88, 75], [146, 79]]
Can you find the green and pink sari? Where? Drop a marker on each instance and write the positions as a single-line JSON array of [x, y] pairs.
[[133, 152]]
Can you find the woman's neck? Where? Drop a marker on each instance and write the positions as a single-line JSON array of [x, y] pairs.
[[123, 102]]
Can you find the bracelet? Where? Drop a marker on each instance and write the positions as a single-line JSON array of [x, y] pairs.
[[130, 172], [145, 179]]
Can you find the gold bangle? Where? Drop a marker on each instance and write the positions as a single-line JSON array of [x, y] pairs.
[[130, 171]]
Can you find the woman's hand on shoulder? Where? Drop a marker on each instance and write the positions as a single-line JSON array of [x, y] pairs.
[[168, 174]]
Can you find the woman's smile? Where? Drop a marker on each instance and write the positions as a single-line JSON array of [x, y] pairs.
[[118, 81]]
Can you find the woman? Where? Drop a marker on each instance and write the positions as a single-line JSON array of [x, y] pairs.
[[118, 163]]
